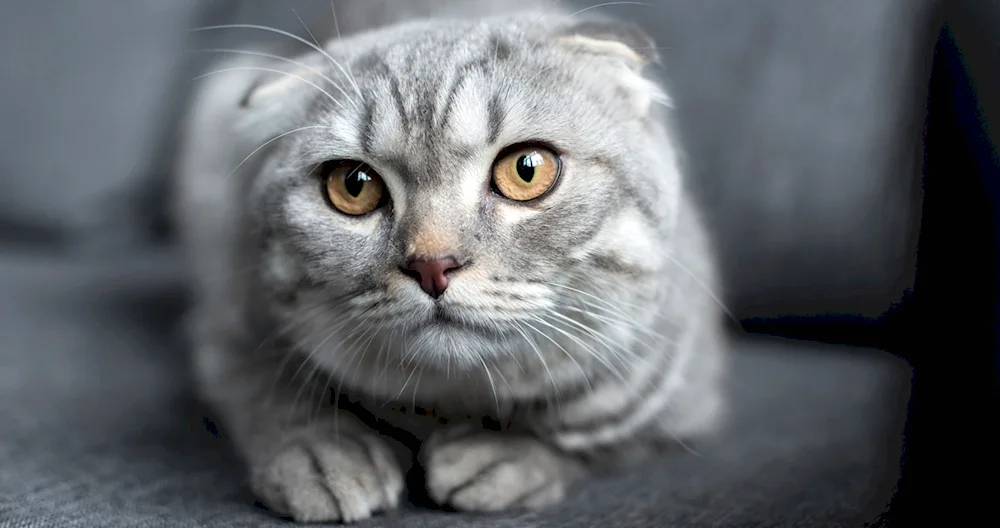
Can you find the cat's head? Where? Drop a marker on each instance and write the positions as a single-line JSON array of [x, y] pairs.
[[462, 190]]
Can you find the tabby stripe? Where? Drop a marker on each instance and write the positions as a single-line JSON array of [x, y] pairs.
[[367, 124], [476, 478], [377, 67], [370, 456], [318, 469], [639, 416], [631, 400], [521, 499], [495, 121], [456, 85]]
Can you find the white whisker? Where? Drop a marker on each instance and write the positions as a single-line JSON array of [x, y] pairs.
[[416, 387], [586, 348], [704, 287], [304, 66], [289, 35], [336, 27], [340, 384], [594, 333], [272, 140], [272, 70], [586, 377], [608, 4], [493, 386], [541, 358]]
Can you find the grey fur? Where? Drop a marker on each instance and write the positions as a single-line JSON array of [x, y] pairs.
[[584, 323]]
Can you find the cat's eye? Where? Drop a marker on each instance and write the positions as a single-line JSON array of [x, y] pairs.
[[526, 172], [353, 188]]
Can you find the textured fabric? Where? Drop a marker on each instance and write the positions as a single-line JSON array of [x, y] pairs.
[[99, 429]]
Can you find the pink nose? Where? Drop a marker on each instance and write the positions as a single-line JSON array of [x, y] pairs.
[[432, 274]]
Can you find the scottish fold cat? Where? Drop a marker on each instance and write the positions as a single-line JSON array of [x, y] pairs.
[[463, 237]]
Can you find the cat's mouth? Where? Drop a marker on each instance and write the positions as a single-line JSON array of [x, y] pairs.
[[447, 320], [441, 317]]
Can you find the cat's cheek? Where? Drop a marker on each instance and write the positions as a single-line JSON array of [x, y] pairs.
[[629, 241], [514, 218]]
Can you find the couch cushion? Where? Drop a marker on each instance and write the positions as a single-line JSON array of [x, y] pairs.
[[99, 428]]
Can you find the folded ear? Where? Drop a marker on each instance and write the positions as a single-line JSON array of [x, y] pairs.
[[273, 100], [624, 41], [630, 49], [274, 85]]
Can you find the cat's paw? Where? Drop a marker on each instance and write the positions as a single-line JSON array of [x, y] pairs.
[[491, 471], [318, 476]]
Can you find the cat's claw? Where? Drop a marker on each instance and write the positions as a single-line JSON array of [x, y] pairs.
[[494, 471], [317, 476]]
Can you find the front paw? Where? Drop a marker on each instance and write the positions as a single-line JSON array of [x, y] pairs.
[[492, 471], [318, 476]]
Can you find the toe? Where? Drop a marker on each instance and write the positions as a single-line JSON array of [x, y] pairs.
[[295, 484], [499, 486]]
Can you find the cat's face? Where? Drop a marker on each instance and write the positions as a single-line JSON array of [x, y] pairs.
[[467, 186]]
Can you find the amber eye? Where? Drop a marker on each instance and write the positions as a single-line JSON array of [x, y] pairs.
[[353, 187], [525, 173]]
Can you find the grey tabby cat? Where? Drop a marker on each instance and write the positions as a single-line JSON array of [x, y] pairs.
[[462, 237]]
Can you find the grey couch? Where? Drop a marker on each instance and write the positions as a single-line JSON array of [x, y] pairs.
[[802, 123]]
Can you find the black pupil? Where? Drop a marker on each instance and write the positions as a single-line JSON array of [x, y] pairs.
[[355, 182], [526, 166]]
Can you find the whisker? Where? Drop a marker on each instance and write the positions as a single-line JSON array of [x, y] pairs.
[[272, 70], [617, 321], [289, 61], [510, 352], [597, 335], [535, 44], [608, 4], [587, 348], [626, 384], [336, 27], [368, 344], [286, 34], [538, 353], [616, 314], [704, 287], [385, 367], [309, 356], [289, 354], [412, 372], [337, 329], [340, 385], [349, 75], [590, 295], [416, 387], [272, 140], [493, 386], [586, 377]]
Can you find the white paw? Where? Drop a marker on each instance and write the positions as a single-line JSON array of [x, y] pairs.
[[495, 471], [317, 476]]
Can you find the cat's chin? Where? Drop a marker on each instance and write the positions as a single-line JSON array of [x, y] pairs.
[[450, 339]]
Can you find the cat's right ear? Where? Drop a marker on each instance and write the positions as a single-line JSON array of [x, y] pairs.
[[272, 100], [269, 86]]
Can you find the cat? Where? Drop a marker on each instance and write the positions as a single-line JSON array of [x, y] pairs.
[[460, 237]]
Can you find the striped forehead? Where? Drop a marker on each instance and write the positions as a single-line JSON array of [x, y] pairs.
[[415, 105]]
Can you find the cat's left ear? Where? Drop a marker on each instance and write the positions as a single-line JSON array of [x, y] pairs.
[[611, 38], [628, 46]]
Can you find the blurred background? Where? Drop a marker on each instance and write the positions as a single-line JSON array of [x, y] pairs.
[[801, 120], [803, 124]]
